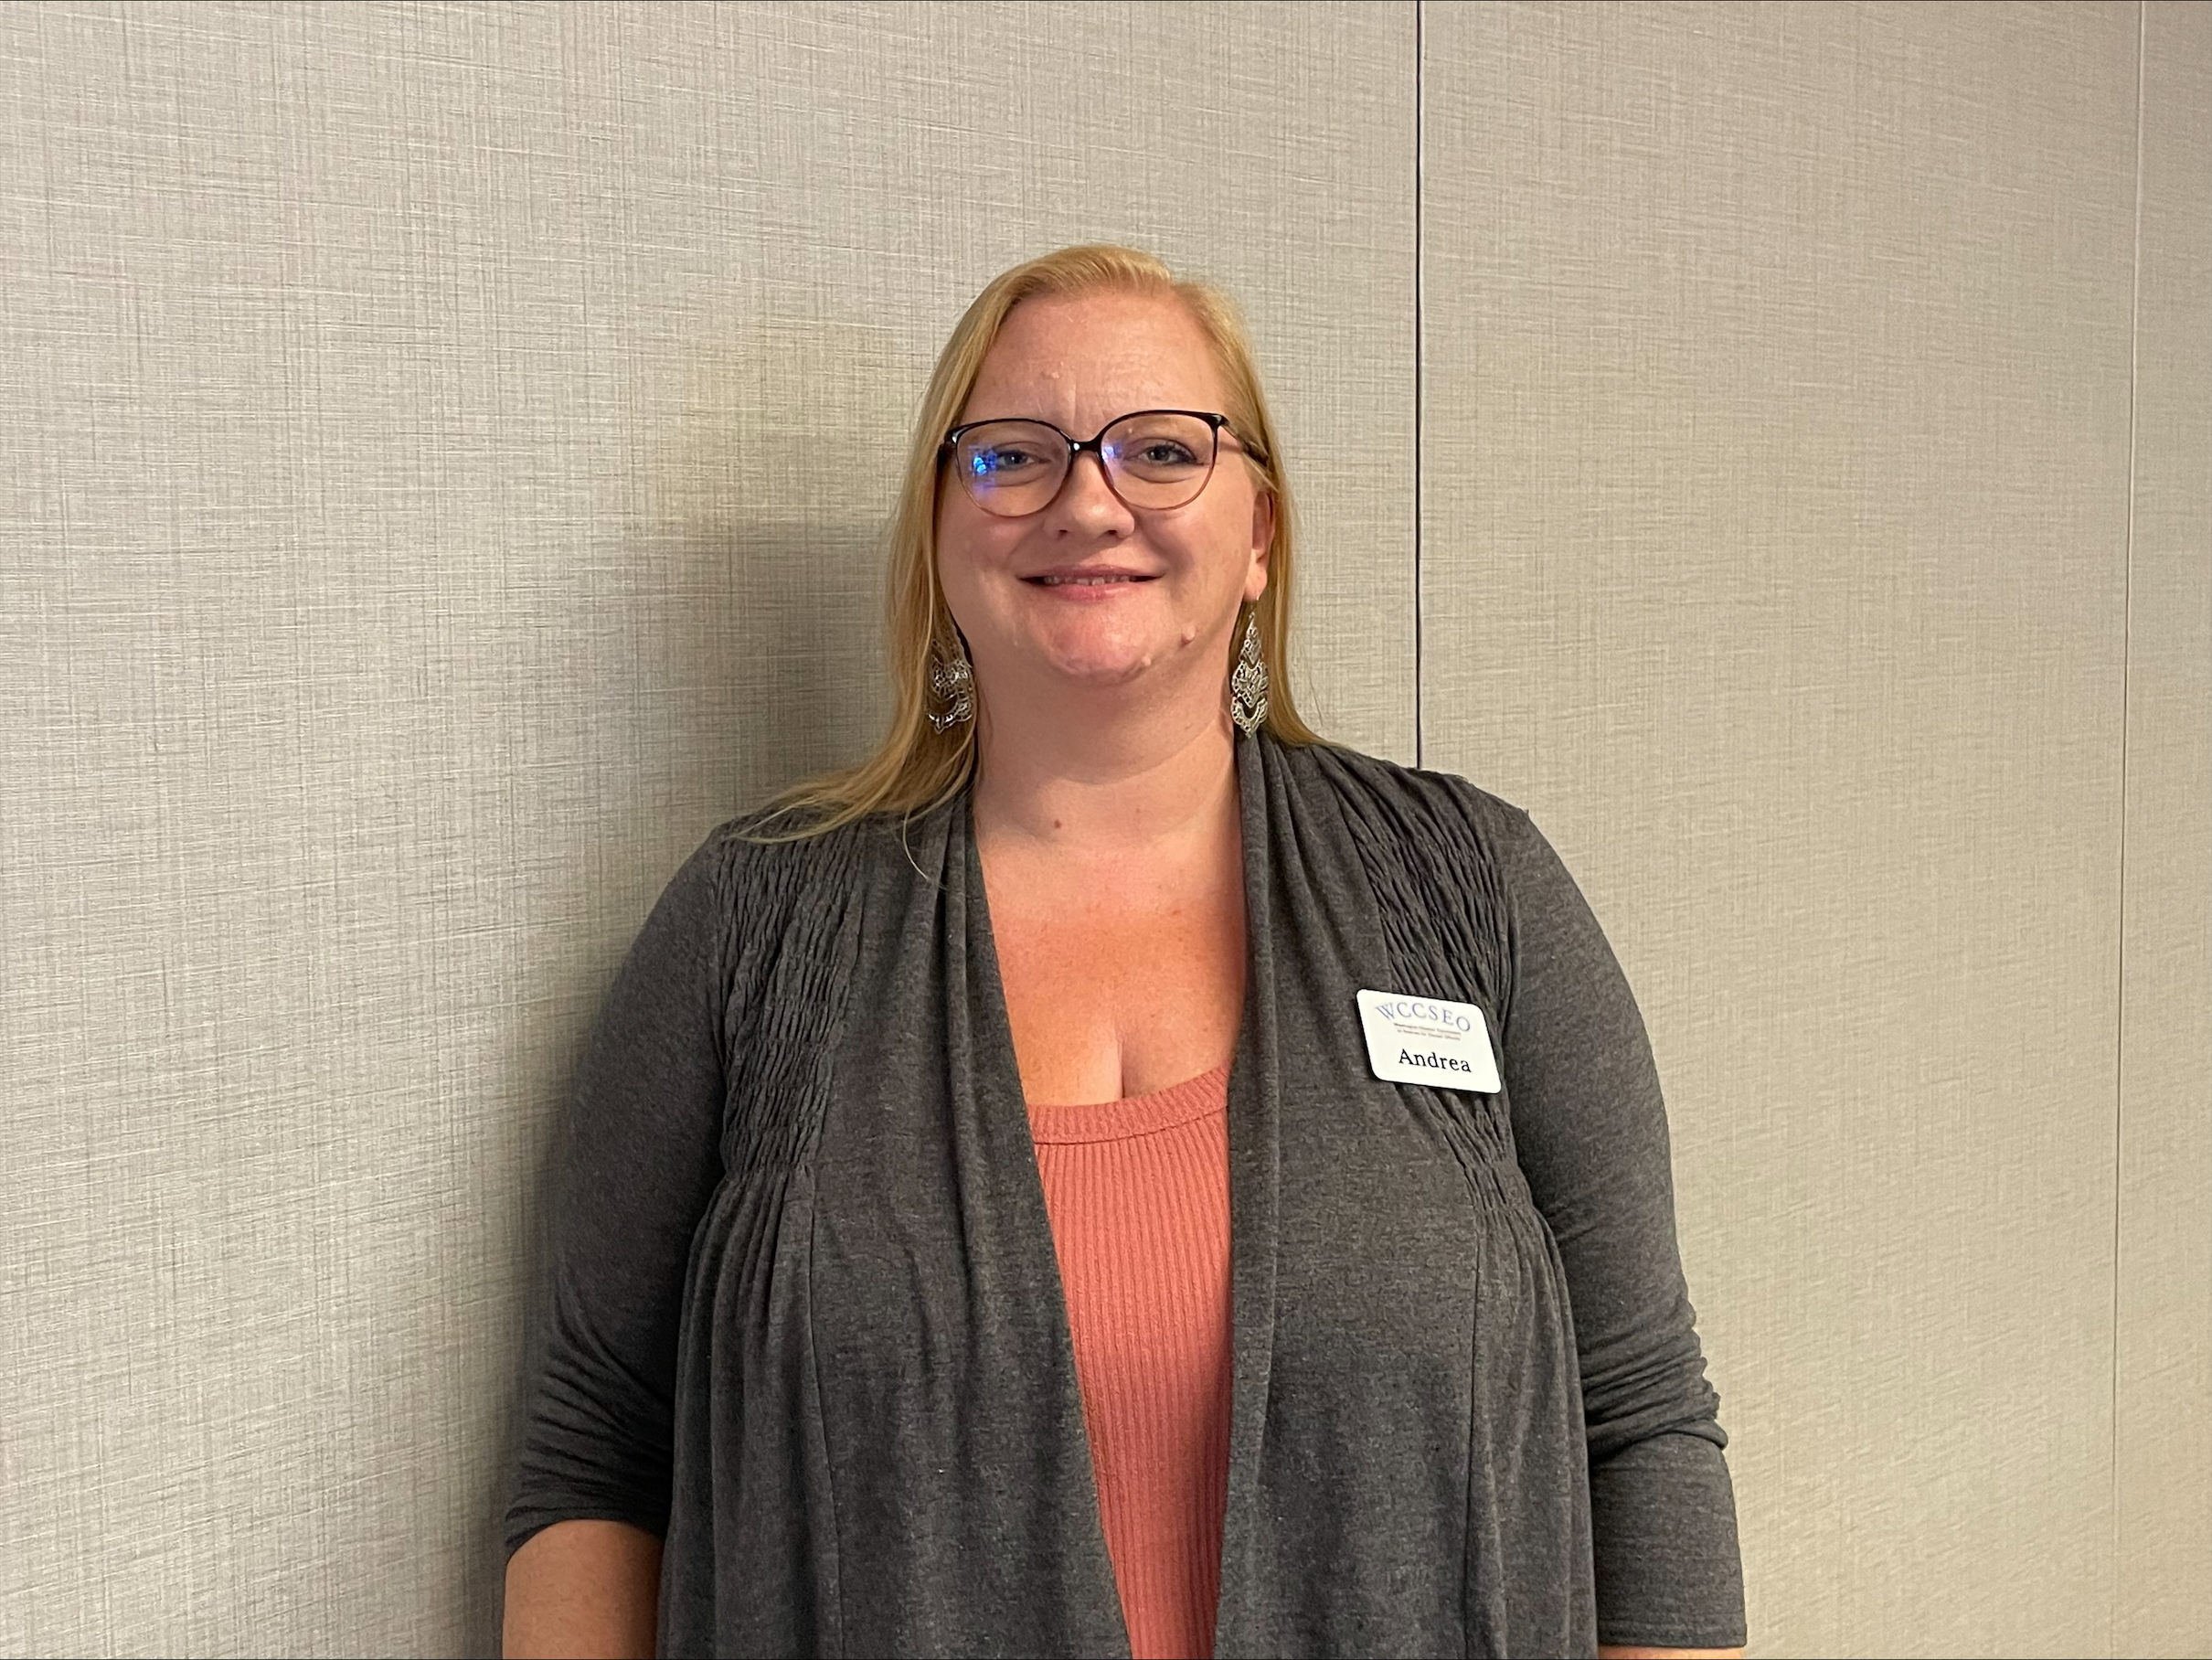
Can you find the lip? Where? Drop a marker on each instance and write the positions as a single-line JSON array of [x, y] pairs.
[[1086, 581]]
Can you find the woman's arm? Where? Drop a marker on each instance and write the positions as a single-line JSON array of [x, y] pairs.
[[1590, 1129], [583, 1589], [641, 1164]]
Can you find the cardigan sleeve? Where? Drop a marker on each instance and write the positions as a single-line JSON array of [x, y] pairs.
[[1590, 1129], [641, 1162]]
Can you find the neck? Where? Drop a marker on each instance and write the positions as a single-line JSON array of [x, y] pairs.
[[1119, 778]]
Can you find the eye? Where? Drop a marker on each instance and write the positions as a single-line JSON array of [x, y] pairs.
[[991, 461], [1163, 453]]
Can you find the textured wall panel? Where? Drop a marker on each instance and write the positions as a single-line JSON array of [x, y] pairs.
[[1775, 460], [415, 532], [2165, 1374]]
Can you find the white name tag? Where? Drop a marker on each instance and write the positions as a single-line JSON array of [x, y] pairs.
[[1426, 1040]]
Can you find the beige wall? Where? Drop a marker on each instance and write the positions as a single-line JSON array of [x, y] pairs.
[[412, 539], [1776, 456], [2163, 1355]]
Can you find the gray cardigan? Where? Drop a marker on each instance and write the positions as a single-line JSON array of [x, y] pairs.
[[807, 1317]]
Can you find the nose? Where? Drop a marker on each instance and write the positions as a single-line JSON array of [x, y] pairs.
[[1087, 502]]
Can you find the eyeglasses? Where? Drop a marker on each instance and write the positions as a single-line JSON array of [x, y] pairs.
[[1153, 458]]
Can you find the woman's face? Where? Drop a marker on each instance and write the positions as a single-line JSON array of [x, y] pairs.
[[1089, 590]]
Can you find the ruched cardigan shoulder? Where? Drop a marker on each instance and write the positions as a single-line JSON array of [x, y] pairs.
[[806, 1321]]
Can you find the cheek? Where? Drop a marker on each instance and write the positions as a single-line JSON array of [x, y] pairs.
[[1226, 538], [961, 533], [970, 543]]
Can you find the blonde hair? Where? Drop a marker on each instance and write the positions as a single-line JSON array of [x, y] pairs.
[[916, 767]]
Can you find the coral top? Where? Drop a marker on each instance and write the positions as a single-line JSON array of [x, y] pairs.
[[1138, 1193]]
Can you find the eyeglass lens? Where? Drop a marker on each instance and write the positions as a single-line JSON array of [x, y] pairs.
[[1015, 467]]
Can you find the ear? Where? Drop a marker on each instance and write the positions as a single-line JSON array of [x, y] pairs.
[[1263, 543]]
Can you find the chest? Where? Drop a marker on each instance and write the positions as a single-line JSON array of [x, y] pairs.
[[1119, 977]]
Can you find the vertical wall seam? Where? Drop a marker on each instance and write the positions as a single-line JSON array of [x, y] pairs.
[[2120, 997], [1420, 352]]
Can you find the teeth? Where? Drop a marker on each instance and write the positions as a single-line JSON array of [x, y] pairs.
[[1082, 581]]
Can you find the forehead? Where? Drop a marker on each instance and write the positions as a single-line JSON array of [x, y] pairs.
[[1078, 360]]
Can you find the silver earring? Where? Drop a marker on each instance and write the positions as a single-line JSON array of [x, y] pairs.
[[1247, 684], [952, 685]]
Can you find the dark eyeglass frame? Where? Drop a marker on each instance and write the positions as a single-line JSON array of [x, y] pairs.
[[1217, 421]]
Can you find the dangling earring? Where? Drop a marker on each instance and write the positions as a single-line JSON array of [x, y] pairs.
[[951, 684], [1247, 684]]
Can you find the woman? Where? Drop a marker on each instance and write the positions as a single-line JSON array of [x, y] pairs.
[[864, 1343]]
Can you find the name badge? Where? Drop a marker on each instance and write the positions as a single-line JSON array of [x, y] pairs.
[[1426, 1040]]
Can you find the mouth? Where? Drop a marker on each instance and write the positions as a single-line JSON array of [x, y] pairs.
[[1087, 579]]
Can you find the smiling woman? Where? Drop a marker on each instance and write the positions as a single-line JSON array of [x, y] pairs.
[[992, 1223], [921, 760]]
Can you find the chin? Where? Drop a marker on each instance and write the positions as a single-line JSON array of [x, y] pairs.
[[1102, 657], [1100, 671]]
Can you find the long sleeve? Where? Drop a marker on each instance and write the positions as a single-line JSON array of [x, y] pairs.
[[641, 1161], [1591, 1129]]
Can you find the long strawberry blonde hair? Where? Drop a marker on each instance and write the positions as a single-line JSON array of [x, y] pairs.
[[916, 767]]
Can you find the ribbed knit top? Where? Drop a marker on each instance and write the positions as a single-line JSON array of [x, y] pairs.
[[1138, 1193]]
